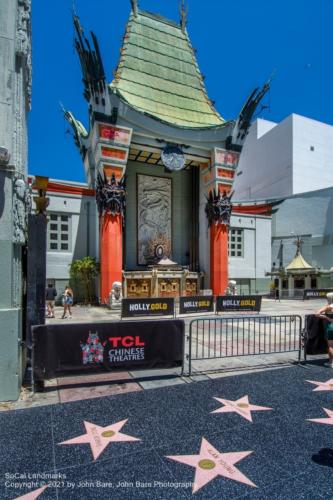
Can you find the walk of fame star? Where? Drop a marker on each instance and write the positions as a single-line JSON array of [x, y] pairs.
[[32, 495], [210, 463], [240, 406], [322, 386], [99, 437], [327, 420]]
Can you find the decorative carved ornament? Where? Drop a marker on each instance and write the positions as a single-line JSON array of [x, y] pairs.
[[4, 156], [80, 133], [158, 248], [91, 64], [243, 121], [218, 208], [116, 295], [173, 158], [41, 200], [21, 210], [168, 287], [110, 196], [23, 43], [191, 287], [134, 4], [183, 15], [139, 288]]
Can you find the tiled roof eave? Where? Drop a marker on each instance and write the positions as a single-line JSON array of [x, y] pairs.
[[166, 122], [302, 270]]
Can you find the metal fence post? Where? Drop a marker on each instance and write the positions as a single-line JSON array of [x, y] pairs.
[[190, 349]]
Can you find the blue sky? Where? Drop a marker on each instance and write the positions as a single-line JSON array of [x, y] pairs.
[[239, 44]]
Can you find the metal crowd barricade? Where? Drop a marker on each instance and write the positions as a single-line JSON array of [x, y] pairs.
[[225, 337], [293, 293]]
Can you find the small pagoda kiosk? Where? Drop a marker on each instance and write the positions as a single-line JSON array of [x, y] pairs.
[[161, 158], [291, 280]]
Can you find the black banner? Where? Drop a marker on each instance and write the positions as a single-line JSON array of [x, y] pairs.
[[196, 304], [147, 307], [316, 294], [225, 303], [91, 347], [315, 340]]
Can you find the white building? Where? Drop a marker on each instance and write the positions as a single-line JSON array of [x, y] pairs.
[[309, 216], [249, 252], [72, 230], [283, 159]]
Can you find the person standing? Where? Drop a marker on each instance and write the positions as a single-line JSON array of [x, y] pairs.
[[50, 296], [329, 328], [67, 302]]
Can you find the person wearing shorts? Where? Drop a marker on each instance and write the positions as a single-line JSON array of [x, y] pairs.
[[329, 328], [50, 296], [67, 302]]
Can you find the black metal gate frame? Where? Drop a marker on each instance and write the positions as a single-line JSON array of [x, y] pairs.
[[268, 335]]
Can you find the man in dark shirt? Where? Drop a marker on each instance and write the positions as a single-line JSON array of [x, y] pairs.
[[50, 296]]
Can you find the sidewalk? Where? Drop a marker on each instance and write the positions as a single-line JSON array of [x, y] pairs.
[[67, 389], [86, 314]]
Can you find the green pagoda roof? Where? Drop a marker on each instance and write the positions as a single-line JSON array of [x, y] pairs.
[[158, 74]]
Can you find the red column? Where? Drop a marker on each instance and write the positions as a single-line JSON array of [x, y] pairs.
[[111, 253], [218, 258]]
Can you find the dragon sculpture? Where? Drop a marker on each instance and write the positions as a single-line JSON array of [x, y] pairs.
[[110, 195], [218, 208]]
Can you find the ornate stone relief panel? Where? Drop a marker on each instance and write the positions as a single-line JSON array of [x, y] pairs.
[[154, 218]]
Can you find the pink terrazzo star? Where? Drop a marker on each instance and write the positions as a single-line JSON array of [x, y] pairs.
[[322, 386], [99, 437], [240, 406], [32, 495], [210, 463], [327, 420]]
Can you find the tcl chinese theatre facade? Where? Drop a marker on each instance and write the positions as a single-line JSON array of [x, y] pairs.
[[161, 161]]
